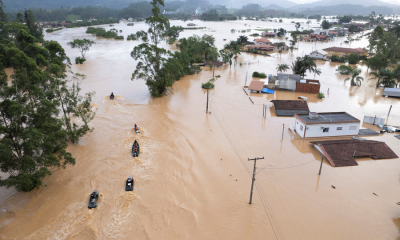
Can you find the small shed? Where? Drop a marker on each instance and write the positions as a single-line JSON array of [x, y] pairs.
[[256, 86], [326, 124], [391, 92], [290, 107], [342, 153], [308, 86], [318, 55]]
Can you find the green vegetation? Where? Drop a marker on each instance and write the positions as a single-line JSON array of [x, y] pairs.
[[101, 32], [353, 58], [130, 24], [302, 65], [325, 24], [282, 67], [79, 60], [50, 30], [255, 34], [387, 77], [317, 17], [213, 15], [345, 19], [131, 37], [207, 85], [92, 23], [336, 58], [321, 95], [344, 70], [37, 106], [259, 75], [355, 79], [82, 45], [72, 17]]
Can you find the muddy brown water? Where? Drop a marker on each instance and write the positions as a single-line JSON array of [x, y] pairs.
[[192, 178]]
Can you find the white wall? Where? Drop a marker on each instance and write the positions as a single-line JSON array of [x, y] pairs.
[[315, 130], [317, 55]]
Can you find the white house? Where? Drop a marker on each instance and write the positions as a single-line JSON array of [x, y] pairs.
[[326, 124], [259, 41], [321, 31], [318, 55]]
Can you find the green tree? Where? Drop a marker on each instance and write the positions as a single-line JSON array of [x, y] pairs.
[[282, 67], [174, 31], [353, 58], [385, 77], [355, 79], [297, 26], [344, 70], [82, 45], [345, 19], [302, 65], [242, 40], [226, 56], [33, 27], [325, 24]]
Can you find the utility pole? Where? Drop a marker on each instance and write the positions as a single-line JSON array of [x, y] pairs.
[[389, 113], [207, 102], [213, 69], [320, 168], [254, 176]]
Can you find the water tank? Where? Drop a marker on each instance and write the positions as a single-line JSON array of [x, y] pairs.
[[313, 115]]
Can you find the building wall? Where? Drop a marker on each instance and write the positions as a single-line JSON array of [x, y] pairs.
[[340, 54], [315, 130], [307, 87], [317, 55]]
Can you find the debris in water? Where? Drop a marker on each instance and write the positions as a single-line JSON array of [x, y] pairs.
[[236, 179], [375, 194], [333, 187], [231, 175]]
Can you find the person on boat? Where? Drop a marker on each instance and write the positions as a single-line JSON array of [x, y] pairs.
[[135, 126], [135, 149], [112, 95]]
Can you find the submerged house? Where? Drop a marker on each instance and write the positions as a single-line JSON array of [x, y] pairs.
[[268, 34], [318, 55], [344, 51], [259, 41], [290, 107], [326, 124], [391, 92]]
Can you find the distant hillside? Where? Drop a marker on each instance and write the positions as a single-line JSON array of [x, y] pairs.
[[13, 5], [365, 3], [346, 9]]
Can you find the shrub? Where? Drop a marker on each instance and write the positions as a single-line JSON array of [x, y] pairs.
[[50, 30], [336, 58], [207, 85], [171, 41], [321, 95], [79, 60], [259, 75], [218, 76], [130, 24], [119, 37], [131, 37], [353, 58], [344, 70]]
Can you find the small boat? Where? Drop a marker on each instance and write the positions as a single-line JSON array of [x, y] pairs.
[[135, 149], [112, 97], [94, 198], [129, 184], [136, 128]]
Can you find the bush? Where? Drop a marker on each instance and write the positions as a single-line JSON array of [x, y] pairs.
[[336, 58], [171, 41], [130, 24], [101, 32], [353, 58], [119, 37], [207, 85], [79, 60], [131, 37], [321, 95], [50, 30], [255, 34], [259, 75], [344, 70]]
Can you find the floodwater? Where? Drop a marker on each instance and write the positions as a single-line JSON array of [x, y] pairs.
[[192, 178]]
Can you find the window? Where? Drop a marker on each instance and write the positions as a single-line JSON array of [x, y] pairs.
[[326, 130], [339, 128], [301, 127], [353, 127]]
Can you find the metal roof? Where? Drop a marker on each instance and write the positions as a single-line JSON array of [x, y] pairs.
[[391, 92], [328, 117], [256, 86]]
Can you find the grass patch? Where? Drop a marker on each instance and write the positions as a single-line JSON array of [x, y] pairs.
[[73, 17]]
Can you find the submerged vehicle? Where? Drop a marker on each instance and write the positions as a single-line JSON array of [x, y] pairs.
[[94, 198], [135, 149], [129, 184], [136, 128]]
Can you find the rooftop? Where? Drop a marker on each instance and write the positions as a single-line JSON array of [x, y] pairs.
[[328, 117], [346, 50], [391, 92], [290, 107], [256, 86], [257, 40], [342, 153]]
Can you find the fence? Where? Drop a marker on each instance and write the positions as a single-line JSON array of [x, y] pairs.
[[374, 120]]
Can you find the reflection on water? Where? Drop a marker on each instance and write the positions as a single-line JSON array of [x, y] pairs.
[[185, 177]]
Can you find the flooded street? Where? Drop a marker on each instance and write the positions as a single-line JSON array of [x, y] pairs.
[[192, 177]]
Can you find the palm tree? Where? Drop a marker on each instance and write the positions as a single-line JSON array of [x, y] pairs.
[[386, 77], [302, 65], [317, 72], [282, 67], [355, 79]]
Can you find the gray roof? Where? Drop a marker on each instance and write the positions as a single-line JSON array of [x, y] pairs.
[[289, 112], [391, 92], [367, 132], [328, 117]]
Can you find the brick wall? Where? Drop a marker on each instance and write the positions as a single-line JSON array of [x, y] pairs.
[[307, 87]]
